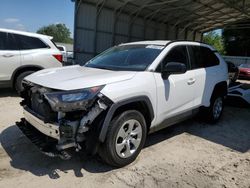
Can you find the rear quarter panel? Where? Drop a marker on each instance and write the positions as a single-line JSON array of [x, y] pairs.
[[40, 57], [213, 76]]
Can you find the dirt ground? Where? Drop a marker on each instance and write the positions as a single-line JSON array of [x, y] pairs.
[[190, 154]]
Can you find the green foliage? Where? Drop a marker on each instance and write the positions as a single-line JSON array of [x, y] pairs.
[[59, 32], [215, 40]]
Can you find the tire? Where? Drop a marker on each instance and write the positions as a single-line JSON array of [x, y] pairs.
[[125, 138], [214, 112], [18, 82]]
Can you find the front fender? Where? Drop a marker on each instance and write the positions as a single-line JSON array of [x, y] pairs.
[[115, 106]]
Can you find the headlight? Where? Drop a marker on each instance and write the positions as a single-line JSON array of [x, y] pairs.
[[72, 100]]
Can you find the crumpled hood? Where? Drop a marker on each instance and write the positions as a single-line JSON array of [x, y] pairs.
[[77, 77]]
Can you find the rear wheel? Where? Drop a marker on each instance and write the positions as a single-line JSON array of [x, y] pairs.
[[125, 139], [18, 82], [214, 111]]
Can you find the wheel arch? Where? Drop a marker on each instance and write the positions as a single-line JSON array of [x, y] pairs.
[[220, 88], [140, 103], [22, 69]]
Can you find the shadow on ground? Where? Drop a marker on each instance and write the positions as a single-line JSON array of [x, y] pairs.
[[7, 92], [25, 156], [233, 132]]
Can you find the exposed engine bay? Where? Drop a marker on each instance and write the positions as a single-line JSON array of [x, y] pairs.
[[60, 120]]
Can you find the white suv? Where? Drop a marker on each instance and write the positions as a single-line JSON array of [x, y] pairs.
[[111, 104], [22, 53]]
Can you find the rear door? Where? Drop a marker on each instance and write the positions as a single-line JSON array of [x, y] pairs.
[[9, 56], [32, 50], [204, 64]]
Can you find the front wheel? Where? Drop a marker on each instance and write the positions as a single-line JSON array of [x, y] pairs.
[[125, 138]]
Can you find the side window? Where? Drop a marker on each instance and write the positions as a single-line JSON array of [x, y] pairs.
[[7, 42], [209, 58], [12, 44], [27, 43], [176, 54], [3, 41], [202, 57], [195, 57]]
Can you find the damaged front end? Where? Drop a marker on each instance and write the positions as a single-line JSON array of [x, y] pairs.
[[57, 121]]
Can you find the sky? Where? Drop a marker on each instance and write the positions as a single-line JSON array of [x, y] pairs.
[[30, 15]]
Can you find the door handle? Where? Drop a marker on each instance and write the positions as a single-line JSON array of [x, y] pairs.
[[8, 55], [191, 81]]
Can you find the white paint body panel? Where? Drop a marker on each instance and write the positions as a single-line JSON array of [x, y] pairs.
[[11, 60], [174, 95], [77, 77], [169, 97]]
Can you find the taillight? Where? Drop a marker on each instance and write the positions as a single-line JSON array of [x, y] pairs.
[[59, 57]]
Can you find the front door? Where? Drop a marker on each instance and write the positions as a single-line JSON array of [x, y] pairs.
[[176, 93], [9, 56]]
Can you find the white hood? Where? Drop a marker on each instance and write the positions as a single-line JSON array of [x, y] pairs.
[[77, 77]]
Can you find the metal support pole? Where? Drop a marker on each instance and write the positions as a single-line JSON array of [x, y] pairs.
[[77, 5], [202, 34], [176, 32], [98, 12], [186, 34], [194, 35], [114, 27], [166, 31]]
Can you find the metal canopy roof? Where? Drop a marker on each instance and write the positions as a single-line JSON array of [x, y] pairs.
[[198, 15]]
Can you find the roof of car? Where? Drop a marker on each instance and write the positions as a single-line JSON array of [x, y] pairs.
[[25, 33], [160, 42], [154, 42]]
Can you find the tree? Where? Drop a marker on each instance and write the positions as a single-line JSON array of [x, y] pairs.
[[59, 32], [215, 40]]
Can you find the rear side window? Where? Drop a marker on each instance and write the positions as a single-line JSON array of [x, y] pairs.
[[60, 48], [195, 57], [209, 58], [27, 43], [202, 57], [7, 42]]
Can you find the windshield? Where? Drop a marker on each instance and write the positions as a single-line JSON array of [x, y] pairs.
[[245, 65], [126, 57]]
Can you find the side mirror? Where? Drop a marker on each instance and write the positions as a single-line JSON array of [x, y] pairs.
[[173, 68]]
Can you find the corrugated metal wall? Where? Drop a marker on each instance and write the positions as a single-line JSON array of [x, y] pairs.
[[237, 60], [96, 31]]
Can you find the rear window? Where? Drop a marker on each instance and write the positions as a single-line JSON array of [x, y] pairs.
[[202, 57], [27, 43]]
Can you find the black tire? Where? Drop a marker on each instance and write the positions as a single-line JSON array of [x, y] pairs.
[[18, 82], [213, 113], [107, 150]]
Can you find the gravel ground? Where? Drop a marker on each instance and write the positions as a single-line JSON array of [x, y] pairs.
[[190, 154]]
